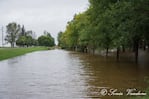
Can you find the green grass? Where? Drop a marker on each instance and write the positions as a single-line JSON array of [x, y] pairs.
[[146, 91], [142, 97], [6, 53]]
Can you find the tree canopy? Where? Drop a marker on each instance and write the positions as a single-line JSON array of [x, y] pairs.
[[109, 24], [17, 35], [12, 33], [46, 40]]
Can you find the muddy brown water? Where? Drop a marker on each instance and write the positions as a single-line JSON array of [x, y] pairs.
[[59, 74]]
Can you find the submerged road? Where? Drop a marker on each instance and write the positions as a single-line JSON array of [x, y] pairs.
[[59, 74]]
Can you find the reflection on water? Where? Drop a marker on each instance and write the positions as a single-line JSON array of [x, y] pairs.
[[58, 74]]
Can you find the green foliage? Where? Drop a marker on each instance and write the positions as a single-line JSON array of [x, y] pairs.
[[59, 38], [21, 41], [17, 35], [46, 40], [109, 24], [25, 38], [12, 32]]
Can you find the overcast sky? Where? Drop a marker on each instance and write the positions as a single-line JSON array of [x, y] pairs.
[[40, 15]]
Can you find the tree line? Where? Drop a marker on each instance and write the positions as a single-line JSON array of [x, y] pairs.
[[18, 36], [109, 24]]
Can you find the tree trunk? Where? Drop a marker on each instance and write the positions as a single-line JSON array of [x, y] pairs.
[[83, 49], [107, 51], [148, 47], [136, 50], [144, 46], [76, 48], [123, 48], [93, 50], [86, 49], [12, 44], [117, 53]]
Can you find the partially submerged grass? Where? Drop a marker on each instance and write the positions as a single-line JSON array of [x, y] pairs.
[[6, 53], [142, 97], [146, 91]]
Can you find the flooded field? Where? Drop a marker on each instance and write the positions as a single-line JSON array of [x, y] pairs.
[[59, 74]]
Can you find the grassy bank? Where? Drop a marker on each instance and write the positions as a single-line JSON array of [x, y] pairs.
[[142, 97], [6, 53]]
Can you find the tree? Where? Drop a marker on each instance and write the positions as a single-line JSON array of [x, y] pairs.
[[26, 41], [139, 23], [12, 33], [21, 41], [46, 40], [48, 35], [59, 38], [26, 38], [109, 24], [23, 32], [73, 37], [29, 41]]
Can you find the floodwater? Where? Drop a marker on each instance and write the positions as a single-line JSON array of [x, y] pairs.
[[59, 74]]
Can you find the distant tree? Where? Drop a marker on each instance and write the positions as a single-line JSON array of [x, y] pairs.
[[34, 42], [23, 32], [21, 41], [26, 41], [46, 40], [51, 38], [29, 41], [12, 33], [59, 38], [26, 38], [110, 24], [29, 33]]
